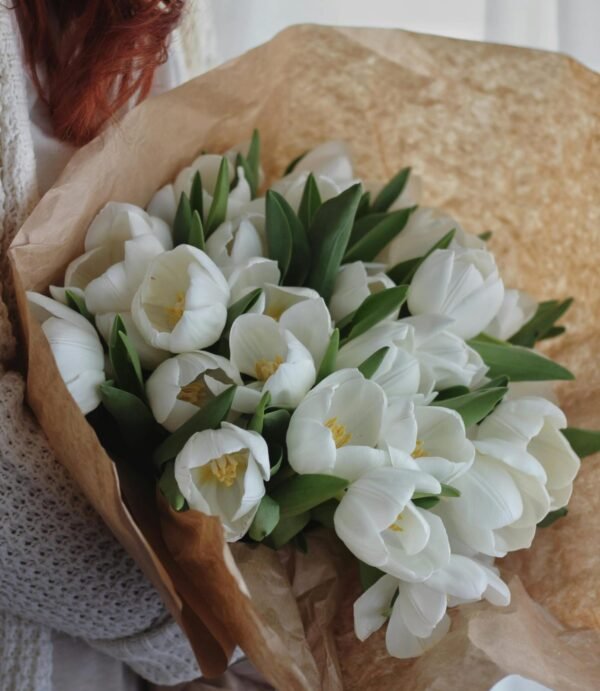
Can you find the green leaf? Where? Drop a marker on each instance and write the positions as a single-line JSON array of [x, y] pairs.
[[196, 196], [125, 361], [542, 322], [265, 520], [369, 575], [553, 332], [553, 516], [132, 415], [363, 224], [279, 233], [275, 424], [299, 263], [196, 233], [364, 206], [517, 363], [584, 442], [328, 362], [241, 307], [183, 220], [475, 406], [275, 451], [310, 202], [77, 302], [485, 236], [452, 392], [208, 417], [391, 191], [404, 271], [323, 513], [329, 235], [251, 163], [377, 307], [370, 245], [426, 502], [257, 420], [303, 492], [287, 529], [369, 366], [170, 489], [293, 163], [501, 380], [449, 491], [218, 209], [253, 155]]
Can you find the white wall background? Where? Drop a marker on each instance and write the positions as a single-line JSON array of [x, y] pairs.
[[570, 26]]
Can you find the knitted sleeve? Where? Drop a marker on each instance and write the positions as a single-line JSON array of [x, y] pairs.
[[62, 568]]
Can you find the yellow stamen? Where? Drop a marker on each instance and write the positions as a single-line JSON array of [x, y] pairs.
[[267, 368], [275, 311], [175, 313], [196, 392], [225, 468], [395, 527], [419, 451], [338, 431]]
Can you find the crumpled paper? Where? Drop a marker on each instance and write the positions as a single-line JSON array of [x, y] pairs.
[[506, 139]]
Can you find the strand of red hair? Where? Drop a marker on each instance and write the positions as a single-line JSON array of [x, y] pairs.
[[88, 58]]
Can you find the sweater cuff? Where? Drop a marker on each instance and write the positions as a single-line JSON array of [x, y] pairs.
[[161, 655], [26, 659]]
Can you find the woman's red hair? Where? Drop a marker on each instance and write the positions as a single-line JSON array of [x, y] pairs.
[[88, 58]]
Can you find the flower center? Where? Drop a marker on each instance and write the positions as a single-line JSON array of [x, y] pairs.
[[338, 431], [419, 450], [196, 392], [275, 311], [395, 527], [267, 368], [175, 313], [225, 468]]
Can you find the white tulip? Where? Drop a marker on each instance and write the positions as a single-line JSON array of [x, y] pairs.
[[292, 189], [461, 284], [222, 473], [164, 202], [354, 284], [433, 436], [335, 430], [181, 304], [106, 239], [400, 373], [516, 310], [264, 350], [76, 348], [380, 525], [525, 434], [331, 159], [417, 619], [238, 240], [416, 612], [183, 384], [490, 515], [448, 359], [515, 682], [254, 273], [424, 229]]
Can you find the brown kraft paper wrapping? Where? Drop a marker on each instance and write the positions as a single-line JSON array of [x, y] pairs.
[[507, 140]]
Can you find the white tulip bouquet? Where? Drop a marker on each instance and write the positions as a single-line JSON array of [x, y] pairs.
[[328, 354]]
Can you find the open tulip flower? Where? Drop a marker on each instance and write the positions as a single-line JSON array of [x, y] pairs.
[[183, 384], [380, 525], [462, 284], [337, 427], [222, 473], [181, 304], [262, 349], [76, 348]]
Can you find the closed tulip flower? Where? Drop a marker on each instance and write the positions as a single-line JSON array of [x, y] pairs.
[[516, 310], [354, 284], [461, 284]]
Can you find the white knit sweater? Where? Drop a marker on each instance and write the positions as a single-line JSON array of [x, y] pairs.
[[61, 570]]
